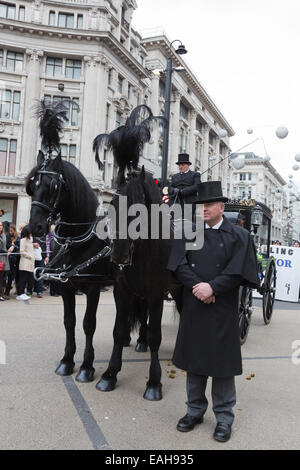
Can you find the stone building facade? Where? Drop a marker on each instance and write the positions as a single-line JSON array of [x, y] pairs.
[[259, 180], [87, 50]]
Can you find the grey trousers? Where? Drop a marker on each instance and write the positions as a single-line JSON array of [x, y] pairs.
[[223, 396]]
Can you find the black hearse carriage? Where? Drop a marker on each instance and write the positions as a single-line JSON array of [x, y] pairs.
[[256, 218]]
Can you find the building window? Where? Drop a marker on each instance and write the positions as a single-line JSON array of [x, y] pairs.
[[22, 14], [14, 61], [109, 76], [80, 21], [1, 57], [72, 104], [181, 141], [54, 67], [107, 116], [120, 84], [249, 176], [199, 126], [162, 89], [52, 18], [68, 152], [184, 111], [211, 139], [8, 150], [73, 68], [65, 20], [8, 10], [242, 176], [10, 104], [118, 119]]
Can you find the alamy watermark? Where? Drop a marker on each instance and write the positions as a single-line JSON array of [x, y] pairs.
[[158, 221], [2, 353]]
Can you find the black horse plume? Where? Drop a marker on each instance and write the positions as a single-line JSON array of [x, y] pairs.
[[52, 118], [127, 141]]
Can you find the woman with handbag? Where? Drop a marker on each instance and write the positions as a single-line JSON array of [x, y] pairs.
[[4, 264], [26, 265]]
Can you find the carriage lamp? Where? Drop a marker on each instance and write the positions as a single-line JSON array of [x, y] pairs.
[[256, 220]]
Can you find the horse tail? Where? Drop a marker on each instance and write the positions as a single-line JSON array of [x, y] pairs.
[[139, 313]]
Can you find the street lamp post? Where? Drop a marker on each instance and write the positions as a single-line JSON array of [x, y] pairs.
[[169, 70]]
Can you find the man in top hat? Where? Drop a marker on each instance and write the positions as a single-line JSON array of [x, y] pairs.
[[185, 184], [208, 340]]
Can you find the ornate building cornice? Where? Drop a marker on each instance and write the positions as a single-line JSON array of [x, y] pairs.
[[103, 37]]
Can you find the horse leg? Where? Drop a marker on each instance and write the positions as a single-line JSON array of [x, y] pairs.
[[154, 387], [86, 371], [66, 365], [141, 344], [123, 302]]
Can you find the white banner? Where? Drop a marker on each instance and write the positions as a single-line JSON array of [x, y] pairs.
[[288, 272]]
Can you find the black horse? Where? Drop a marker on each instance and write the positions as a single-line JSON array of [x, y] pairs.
[[142, 273], [59, 190]]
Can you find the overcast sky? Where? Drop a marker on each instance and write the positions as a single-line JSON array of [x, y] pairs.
[[246, 54]]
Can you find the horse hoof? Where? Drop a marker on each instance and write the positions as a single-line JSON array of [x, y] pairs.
[[106, 385], [64, 369], [141, 347], [85, 375], [153, 393]]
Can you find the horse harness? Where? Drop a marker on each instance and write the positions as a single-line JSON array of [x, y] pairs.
[[65, 274]]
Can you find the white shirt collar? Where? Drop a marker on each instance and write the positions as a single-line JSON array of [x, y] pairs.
[[215, 227]]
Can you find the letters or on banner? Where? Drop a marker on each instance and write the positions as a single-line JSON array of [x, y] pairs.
[[288, 272]]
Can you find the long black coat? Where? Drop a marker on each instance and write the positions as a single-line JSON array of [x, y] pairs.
[[208, 338], [188, 184]]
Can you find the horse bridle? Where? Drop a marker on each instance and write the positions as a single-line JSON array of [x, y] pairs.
[[57, 185]]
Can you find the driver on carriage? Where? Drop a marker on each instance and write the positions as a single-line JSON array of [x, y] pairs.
[[208, 342]]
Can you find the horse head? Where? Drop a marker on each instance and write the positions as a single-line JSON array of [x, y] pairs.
[[45, 184]]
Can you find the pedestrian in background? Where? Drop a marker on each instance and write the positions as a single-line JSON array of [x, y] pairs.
[[4, 263], [38, 263], [26, 265], [13, 258]]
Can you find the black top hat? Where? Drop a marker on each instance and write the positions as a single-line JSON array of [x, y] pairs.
[[183, 158], [211, 191]]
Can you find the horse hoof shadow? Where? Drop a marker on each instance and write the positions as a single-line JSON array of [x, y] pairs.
[[106, 385], [85, 375], [64, 369], [153, 393]]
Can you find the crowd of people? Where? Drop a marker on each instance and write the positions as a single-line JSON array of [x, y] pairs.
[[20, 254]]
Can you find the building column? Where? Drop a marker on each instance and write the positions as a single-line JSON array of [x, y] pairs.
[[154, 105], [192, 143], [204, 162], [28, 152], [174, 133], [24, 206], [94, 105]]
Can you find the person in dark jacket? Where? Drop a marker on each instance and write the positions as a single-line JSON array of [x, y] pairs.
[[184, 185], [208, 343]]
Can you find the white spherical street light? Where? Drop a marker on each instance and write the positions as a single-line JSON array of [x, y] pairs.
[[223, 133], [297, 157], [267, 158], [296, 167], [282, 132], [250, 131], [238, 162]]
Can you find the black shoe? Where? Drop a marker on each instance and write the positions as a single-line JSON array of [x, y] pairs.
[[222, 432], [188, 422]]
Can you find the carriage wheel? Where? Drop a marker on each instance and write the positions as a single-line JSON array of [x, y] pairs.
[[269, 290], [245, 313]]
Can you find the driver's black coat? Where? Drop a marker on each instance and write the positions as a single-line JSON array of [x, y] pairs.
[[208, 338]]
